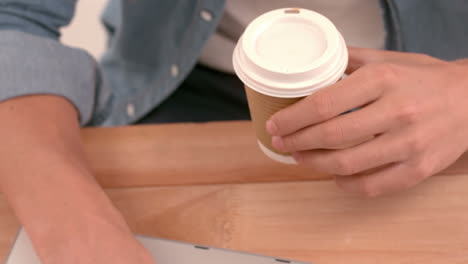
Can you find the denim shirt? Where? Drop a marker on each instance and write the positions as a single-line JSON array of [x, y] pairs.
[[154, 44]]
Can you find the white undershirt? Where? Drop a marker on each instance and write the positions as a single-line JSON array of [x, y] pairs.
[[359, 21]]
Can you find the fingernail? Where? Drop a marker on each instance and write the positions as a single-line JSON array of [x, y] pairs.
[[271, 127], [277, 143], [297, 157]]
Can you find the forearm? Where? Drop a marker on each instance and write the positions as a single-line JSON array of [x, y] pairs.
[[44, 176]]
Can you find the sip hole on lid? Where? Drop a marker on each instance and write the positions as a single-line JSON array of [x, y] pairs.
[[292, 11]]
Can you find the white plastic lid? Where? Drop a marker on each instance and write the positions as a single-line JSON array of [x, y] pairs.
[[290, 52]]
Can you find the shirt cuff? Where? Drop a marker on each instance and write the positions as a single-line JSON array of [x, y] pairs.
[[30, 65]]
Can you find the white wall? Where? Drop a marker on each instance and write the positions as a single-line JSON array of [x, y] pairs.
[[86, 30]]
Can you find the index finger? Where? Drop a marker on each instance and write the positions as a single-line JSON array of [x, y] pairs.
[[354, 91]]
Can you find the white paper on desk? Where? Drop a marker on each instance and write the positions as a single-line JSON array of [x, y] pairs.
[[164, 252]]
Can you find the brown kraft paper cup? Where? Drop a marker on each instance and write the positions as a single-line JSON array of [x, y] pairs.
[[262, 107]]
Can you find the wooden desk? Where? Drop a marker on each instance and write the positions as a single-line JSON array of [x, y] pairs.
[[209, 184]]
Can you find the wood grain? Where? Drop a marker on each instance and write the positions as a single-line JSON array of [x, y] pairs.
[[188, 154], [183, 154], [220, 190], [309, 221]]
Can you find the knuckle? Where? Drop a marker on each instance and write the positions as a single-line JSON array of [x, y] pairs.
[[421, 171], [331, 134], [291, 143], [322, 105], [407, 114], [385, 72], [416, 145], [312, 161], [343, 166]]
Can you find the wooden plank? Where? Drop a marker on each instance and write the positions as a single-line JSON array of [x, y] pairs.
[[188, 154], [183, 154], [303, 219], [310, 221]]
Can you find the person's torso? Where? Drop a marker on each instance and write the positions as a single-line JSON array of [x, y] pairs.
[[153, 45]]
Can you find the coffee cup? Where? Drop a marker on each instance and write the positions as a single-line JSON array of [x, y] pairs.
[[283, 56]]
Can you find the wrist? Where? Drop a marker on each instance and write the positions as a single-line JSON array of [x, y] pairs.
[[58, 200], [77, 214], [74, 237]]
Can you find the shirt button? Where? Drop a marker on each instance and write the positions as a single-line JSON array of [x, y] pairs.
[[131, 110], [206, 15], [174, 71]]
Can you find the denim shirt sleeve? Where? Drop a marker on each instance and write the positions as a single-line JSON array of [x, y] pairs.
[[33, 61]]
